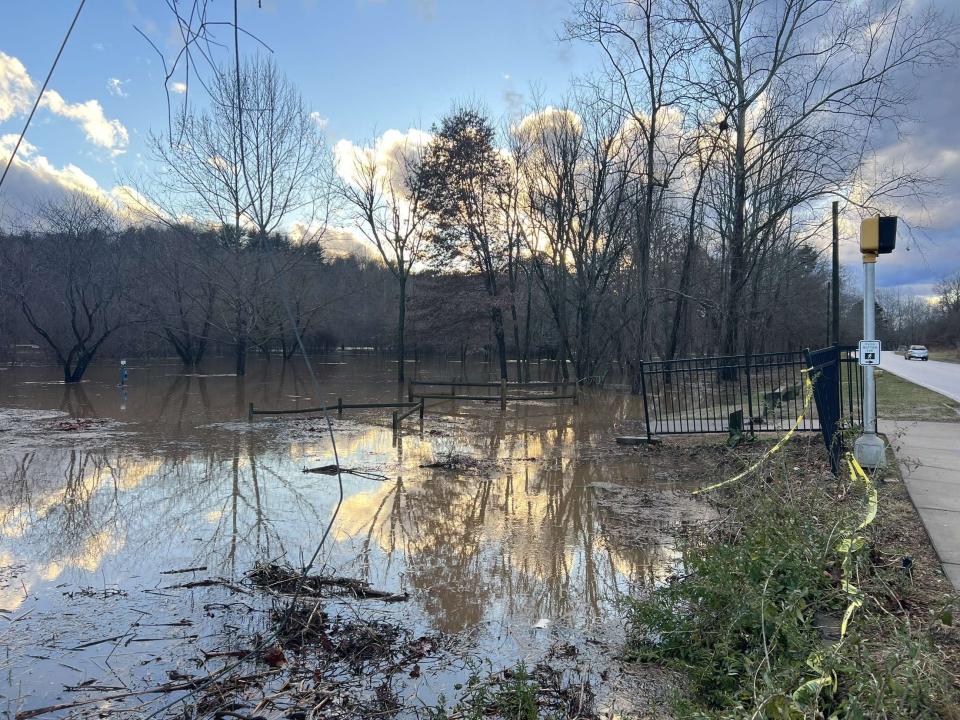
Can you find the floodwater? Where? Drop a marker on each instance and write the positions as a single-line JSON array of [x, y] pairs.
[[104, 491]]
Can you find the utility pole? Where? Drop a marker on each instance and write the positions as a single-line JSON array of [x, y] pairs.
[[835, 286], [878, 236], [831, 339]]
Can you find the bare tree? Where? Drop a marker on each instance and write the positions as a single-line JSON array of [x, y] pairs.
[[577, 174], [386, 191], [801, 83], [68, 280], [646, 52], [254, 159], [181, 298]]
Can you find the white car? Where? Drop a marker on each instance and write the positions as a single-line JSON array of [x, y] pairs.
[[917, 352]]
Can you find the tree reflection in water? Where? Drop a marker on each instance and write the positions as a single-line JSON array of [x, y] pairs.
[[521, 538]]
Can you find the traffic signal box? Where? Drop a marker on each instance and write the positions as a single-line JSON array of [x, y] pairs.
[[878, 236]]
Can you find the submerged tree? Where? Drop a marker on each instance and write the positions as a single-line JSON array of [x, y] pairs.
[[68, 280], [384, 186], [463, 178], [245, 165]]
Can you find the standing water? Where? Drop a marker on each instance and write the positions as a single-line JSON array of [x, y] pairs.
[[132, 516]]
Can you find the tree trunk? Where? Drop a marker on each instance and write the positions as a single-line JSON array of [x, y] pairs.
[[401, 330], [526, 331], [730, 340], [75, 374], [496, 316], [240, 356], [516, 340]]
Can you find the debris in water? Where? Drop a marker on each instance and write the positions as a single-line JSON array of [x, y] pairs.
[[286, 580], [335, 469]]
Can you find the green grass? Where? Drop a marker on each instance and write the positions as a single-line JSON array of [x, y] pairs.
[[899, 399], [945, 355]]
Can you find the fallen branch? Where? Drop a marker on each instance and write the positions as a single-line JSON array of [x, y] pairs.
[[207, 582], [155, 690], [334, 469], [184, 570], [287, 581]]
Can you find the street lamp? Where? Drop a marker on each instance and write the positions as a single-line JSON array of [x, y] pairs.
[[878, 236]]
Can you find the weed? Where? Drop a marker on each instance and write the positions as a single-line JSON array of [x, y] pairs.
[[743, 618]]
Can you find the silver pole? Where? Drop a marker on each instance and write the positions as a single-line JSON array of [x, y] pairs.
[[869, 449], [869, 333]]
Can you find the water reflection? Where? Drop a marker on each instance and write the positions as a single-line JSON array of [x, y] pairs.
[[186, 483]]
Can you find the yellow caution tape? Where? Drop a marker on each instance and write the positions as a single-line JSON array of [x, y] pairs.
[[807, 398], [848, 546]]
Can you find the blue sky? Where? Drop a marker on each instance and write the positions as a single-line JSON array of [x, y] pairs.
[[367, 66]]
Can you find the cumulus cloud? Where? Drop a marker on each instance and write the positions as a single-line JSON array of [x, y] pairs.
[[391, 152], [17, 90], [34, 181], [320, 121], [16, 87], [109, 134], [178, 87], [115, 87], [336, 241]]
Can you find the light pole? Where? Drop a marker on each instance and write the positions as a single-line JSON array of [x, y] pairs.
[[878, 236]]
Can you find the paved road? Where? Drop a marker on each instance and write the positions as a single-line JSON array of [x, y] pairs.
[[941, 377]]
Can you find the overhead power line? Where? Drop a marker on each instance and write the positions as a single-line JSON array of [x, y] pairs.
[[42, 91]]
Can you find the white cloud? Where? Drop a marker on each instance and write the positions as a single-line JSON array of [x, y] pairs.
[[16, 93], [321, 121], [34, 180], [341, 242], [335, 241], [390, 152], [16, 87], [115, 87], [178, 87], [939, 207], [109, 134]]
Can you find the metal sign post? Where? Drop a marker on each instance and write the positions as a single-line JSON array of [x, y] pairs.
[[877, 236]]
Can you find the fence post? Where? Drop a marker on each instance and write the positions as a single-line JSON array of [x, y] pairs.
[[339, 406], [421, 409], [503, 394], [749, 392], [250, 413], [646, 412], [395, 422], [852, 377], [409, 390]]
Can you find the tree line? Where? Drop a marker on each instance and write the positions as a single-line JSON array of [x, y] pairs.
[[671, 204]]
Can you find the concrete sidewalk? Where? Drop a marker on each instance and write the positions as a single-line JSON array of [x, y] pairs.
[[929, 457]]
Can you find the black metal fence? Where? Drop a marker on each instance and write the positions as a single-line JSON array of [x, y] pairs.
[[752, 393]]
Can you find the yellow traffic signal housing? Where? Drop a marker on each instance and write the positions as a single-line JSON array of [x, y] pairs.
[[878, 236]]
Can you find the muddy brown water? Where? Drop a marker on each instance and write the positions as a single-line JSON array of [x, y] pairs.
[[105, 490]]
